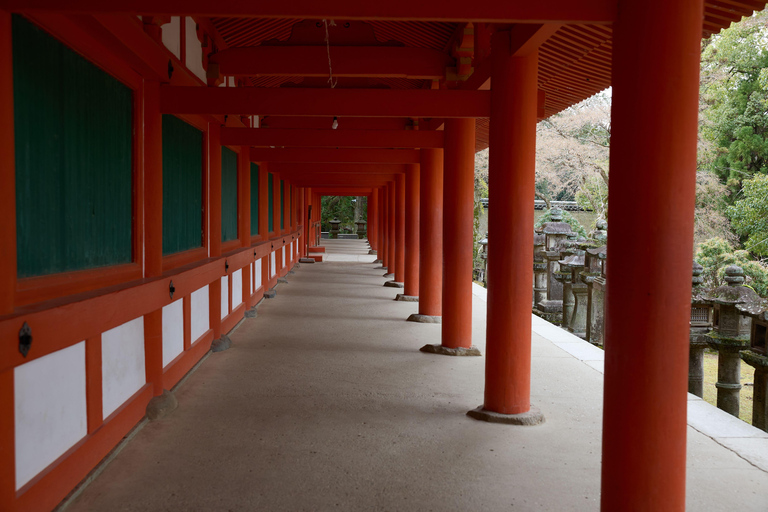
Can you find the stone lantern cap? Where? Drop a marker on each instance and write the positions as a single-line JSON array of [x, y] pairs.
[[733, 293], [698, 294], [756, 310], [334, 221], [573, 261], [556, 226], [598, 252]]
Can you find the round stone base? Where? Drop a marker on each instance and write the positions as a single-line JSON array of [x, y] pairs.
[[307, 260], [407, 298], [445, 351], [389, 275], [161, 406], [221, 344], [250, 313], [378, 261], [393, 284], [371, 251], [425, 319], [532, 417]]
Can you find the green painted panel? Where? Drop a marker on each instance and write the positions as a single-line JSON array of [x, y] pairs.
[[282, 204], [74, 163], [254, 199], [228, 195], [182, 186], [271, 204]]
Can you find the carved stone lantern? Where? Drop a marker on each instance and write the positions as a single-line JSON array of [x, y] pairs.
[[334, 228], [484, 256], [730, 336], [555, 232], [578, 321], [593, 276], [539, 269], [568, 249], [757, 357], [361, 231], [701, 323]]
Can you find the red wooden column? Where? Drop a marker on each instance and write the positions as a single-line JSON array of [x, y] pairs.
[[373, 220], [399, 267], [300, 223], [430, 237], [384, 227], [381, 251], [213, 157], [391, 229], [411, 270], [244, 217], [510, 228], [458, 219], [653, 163], [308, 231]]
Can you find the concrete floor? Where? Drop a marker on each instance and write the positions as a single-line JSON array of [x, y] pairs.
[[325, 403]]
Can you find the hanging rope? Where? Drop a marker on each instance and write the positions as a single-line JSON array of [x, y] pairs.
[[328, 49]]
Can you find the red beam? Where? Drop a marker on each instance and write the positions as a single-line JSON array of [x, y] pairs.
[[348, 61], [337, 168], [322, 155], [579, 11], [331, 138], [325, 102], [346, 123]]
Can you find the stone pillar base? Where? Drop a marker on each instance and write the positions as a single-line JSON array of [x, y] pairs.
[[161, 406], [250, 313], [393, 284], [282, 280], [425, 319], [550, 306], [381, 267], [221, 344], [371, 251], [445, 351], [270, 294], [378, 261], [389, 275], [532, 417], [407, 298], [306, 260]]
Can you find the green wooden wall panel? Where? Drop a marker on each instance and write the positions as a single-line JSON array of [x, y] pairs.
[[74, 168], [182, 186], [228, 195], [254, 199], [271, 205], [282, 204]]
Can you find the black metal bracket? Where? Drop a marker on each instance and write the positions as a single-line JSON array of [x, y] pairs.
[[170, 69], [25, 339], [226, 265], [171, 289]]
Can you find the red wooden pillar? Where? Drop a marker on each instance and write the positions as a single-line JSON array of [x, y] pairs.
[[244, 217], [411, 288], [391, 229], [458, 219], [213, 157], [300, 222], [373, 220], [308, 230], [510, 228], [430, 236], [400, 228], [384, 196], [654, 130]]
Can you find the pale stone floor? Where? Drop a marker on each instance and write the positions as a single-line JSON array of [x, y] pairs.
[[325, 403]]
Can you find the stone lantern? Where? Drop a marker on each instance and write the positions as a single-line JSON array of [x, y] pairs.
[[484, 256], [539, 269], [334, 228], [730, 336], [555, 232], [594, 277], [757, 357], [568, 251], [361, 231], [701, 323]]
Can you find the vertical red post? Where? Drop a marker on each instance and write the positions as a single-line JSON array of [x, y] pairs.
[[300, 221], [244, 217], [384, 256], [213, 153], [458, 226], [430, 235], [400, 228], [510, 231], [391, 229], [654, 130], [308, 231], [373, 220], [411, 282], [7, 171]]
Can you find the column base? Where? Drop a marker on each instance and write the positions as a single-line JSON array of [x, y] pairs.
[[371, 251], [407, 298], [393, 284], [445, 351], [161, 406], [532, 417], [389, 275], [250, 313], [306, 260], [270, 294], [425, 319], [381, 267], [221, 344], [282, 280]]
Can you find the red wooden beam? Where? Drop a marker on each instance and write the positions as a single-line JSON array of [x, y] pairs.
[[325, 102], [345, 123], [321, 155], [349, 61], [337, 168], [331, 138], [570, 11]]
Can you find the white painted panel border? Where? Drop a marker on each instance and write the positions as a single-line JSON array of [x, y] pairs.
[[224, 296], [172, 35], [194, 50], [200, 311], [122, 364], [237, 288], [173, 331], [49, 409]]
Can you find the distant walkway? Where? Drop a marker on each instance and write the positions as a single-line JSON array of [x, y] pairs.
[[347, 250], [325, 403]]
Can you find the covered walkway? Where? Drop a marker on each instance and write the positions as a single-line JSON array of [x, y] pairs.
[[325, 403]]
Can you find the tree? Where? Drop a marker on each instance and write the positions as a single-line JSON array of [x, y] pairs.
[[347, 209], [749, 215], [716, 254]]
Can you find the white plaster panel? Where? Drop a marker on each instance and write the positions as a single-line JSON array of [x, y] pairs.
[[172, 36], [224, 296], [272, 265], [282, 251], [199, 310], [194, 57], [173, 331], [250, 282], [122, 364], [237, 288], [257, 275], [49, 409]]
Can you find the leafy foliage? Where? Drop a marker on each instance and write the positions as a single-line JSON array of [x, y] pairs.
[[347, 209], [749, 215], [715, 254]]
